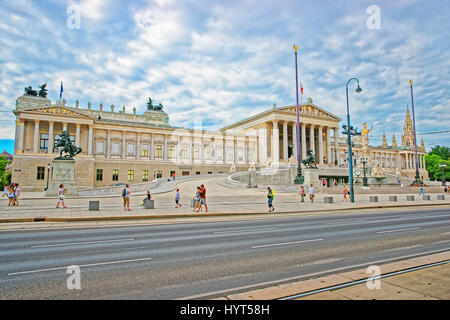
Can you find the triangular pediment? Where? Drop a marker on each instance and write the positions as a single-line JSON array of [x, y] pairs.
[[58, 110], [312, 110]]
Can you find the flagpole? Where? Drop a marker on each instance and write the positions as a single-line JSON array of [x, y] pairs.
[[417, 180], [299, 178]]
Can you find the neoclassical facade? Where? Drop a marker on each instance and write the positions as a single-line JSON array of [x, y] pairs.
[[120, 147]]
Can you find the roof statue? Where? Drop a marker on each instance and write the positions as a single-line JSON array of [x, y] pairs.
[[29, 91], [43, 91]]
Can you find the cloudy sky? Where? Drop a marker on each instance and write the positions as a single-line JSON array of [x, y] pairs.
[[217, 62]]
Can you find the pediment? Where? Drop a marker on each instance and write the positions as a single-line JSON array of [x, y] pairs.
[[312, 110], [58, 110]]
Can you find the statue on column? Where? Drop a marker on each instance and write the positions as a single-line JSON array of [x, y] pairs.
[[365, 138], [68, 147]]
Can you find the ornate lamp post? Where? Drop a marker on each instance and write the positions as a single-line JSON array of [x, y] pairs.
[[417, 180], [443, 166], [299, 179], [350, 131], [364, 171], [48, 175]]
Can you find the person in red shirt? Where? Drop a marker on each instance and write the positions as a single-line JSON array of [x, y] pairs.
[[203, 196]]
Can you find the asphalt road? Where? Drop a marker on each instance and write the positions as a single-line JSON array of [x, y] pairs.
[[210, 259]]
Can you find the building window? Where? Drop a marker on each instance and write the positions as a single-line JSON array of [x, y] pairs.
[[130, 175], [196, 154], [145, 175], [219, 155], [144, 151], [184, 153], [40, 173], [209, 172], [115, 148], [130, 149], [197, 173], [241, 156], [100, 148], [158, 174], [171, 151], [99, 174], [230, 155], [208, 154], [115, 175], [158, 151], [44, 141]]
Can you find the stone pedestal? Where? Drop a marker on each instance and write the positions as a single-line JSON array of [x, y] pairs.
[[252, 180], [311, 177], [149, 204], [63, 173]]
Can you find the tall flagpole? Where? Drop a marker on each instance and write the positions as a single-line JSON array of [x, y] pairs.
[[299, 178], [417, 180]]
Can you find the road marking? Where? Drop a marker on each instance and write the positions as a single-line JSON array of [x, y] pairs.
[[264, 284], [82, 265], [442, 241], [398, 230], [345, 222], [79, 243], [446, 233], [404, 248], [247, 230], [285, 243]]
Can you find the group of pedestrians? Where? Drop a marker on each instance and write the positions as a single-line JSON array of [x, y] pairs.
[[200, 199], [301, 193], [12, 192]]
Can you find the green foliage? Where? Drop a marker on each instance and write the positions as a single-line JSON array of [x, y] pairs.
[[442, 151], [5, 176], [435, 172]]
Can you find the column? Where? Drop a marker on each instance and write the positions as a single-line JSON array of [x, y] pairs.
[[424, 164], [275, 142], [124, 144], [329, 161], [77, 135], [312, 143], [202, 150], [285, 141], [303, 137], [191, 149], [90, 140], [166, 148], [235, 155], [64, 126], [262, 145], [246, 150], [178, 149], [335, 130], [294, 141], [214, 151], [51, 137], [36, 137], [21, 135], [138, 146], [320, 134], [108, 144], [223, 149], [152, 146]]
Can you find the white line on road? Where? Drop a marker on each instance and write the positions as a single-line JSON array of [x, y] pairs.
[[285, 243], [442, 241], [404, 248], [82, 265], [346, 222], [445, 233], [398, 230], [79, 243], [247, 230]]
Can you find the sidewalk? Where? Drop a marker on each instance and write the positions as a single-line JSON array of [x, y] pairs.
[[431, 283]]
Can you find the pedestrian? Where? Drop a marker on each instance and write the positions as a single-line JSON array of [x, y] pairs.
[[421, 192], [11, 196], [173, 176], [16, 194], [311, 193], [147, 198], [203, 197], [270, 196], [335, 182], [197, 199], [344, 191], [5, 191], [302, 194], [61, 192], [177, 199], [126, 198]]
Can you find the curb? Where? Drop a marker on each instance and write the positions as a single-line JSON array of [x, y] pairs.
[[190, 215]]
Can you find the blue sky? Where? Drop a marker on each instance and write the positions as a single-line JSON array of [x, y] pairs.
[[221, 61]]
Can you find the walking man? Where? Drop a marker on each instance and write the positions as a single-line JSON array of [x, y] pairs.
[[16, 194], [177, 199], [61, 192], [126, 198], [203, 196], [421, 192], [311, 193], [344, 191], [270, 196]]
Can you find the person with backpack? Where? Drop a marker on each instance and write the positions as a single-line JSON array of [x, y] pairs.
[[198, 204], [270, 196], [203, 197], [177, 199], [126, 198], [311, 193], [61, 192], [11, 196]]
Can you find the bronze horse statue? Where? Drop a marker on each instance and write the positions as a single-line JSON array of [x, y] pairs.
[[68, 147], [310, 161]]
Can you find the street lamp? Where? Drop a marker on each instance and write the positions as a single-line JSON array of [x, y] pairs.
[[443, 166], [365, 184], [349, 141], [299, 179], [48, 174]]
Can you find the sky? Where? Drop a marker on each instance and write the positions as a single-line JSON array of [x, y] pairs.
[[217, 62]]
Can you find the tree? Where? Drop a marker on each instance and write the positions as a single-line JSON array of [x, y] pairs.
[[433, 161], [442, 151], [5, 176]]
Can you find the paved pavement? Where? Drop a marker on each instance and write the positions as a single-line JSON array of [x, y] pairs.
[[220, 199], [211, 259]]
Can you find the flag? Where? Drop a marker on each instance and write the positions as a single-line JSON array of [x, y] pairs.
[[301, 88], [61, 91]]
